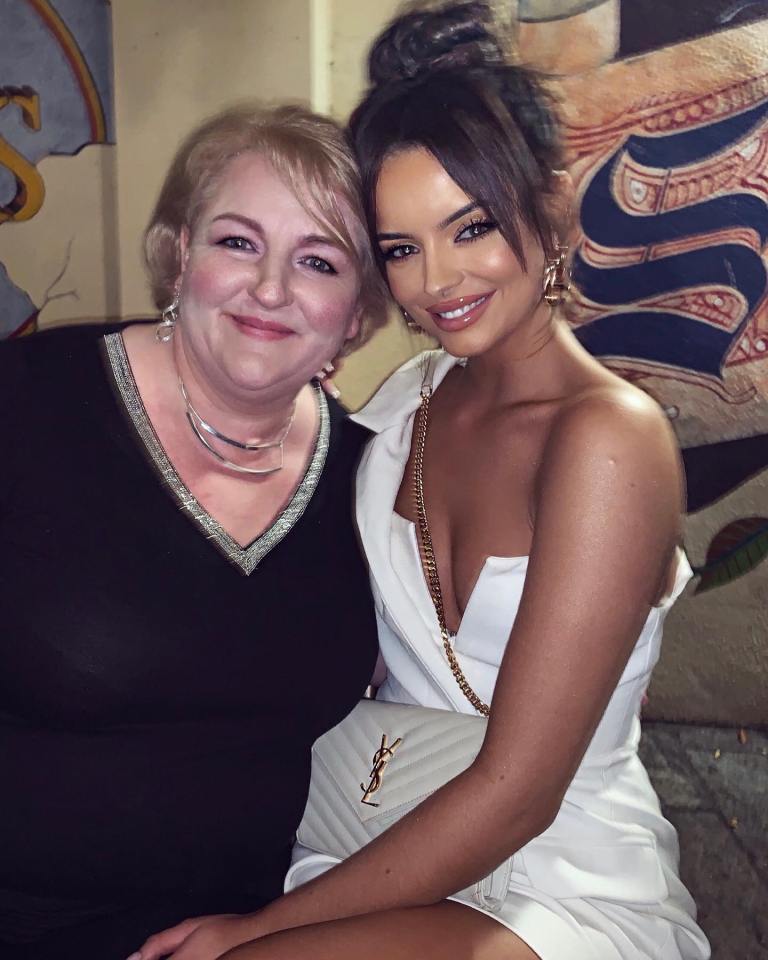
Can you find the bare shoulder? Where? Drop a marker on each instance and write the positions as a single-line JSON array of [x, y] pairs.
[[612, 416], [608, 441]]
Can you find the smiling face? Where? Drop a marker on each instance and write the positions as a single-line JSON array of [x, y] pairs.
[[267, 295], [448, 264]]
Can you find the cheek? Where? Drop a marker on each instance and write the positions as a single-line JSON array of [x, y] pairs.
[[502, 264], [207, 282], [330, 310], [403, 281], [505, 269]]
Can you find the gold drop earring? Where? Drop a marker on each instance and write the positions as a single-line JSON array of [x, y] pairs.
[[557, 276], [410, 322]]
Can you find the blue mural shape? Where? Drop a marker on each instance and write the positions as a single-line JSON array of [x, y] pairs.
[[55, 98], [672, 338]]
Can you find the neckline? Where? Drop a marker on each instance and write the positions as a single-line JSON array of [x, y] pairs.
[[409, 528], [491, 556], [247, 558], [681, 577]]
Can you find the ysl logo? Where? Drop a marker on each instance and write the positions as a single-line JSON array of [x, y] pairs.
[[380, 759]]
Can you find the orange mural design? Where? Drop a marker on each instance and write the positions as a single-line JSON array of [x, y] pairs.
[[80, 68]]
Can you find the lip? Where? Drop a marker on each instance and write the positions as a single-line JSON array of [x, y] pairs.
[[450, 325], [261, 329]]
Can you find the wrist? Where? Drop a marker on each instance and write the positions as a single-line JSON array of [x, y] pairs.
[[253, 926]]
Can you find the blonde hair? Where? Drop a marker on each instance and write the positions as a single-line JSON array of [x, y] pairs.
[[308, 151]]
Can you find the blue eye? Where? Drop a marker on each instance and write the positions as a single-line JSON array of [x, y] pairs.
[[399, 252], [235, 243], [319, 265], [475, 230]]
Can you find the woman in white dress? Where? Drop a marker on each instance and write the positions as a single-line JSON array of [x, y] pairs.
[[553, 494]]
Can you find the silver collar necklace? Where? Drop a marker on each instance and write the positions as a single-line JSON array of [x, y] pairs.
[[200, 427]]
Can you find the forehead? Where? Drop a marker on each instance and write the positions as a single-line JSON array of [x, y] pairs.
[[249, 182], [414, 185], [251, 186]]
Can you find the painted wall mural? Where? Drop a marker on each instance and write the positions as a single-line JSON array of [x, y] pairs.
[[55, 98], [670, 276], [666, 110]]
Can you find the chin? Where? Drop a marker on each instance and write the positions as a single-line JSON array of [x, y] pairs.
[[252, 374], [464, 344]]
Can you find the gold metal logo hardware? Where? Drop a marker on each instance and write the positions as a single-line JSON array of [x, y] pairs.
[[380, 759]]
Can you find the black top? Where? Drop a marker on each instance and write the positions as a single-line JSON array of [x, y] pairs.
[[157, 704]]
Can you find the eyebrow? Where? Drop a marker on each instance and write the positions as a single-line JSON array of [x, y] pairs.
[[319, 238], [310, 238], [467, 208], [456, 215]]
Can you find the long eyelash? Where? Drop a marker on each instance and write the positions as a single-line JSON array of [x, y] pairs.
[[475, 221], [389, 254]]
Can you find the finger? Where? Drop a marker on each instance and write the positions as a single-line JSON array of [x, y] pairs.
[[331, 389]]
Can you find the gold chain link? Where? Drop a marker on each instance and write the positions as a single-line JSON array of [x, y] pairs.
[[428, 555]]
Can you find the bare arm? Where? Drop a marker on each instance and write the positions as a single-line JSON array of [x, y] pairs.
[[607, 515]]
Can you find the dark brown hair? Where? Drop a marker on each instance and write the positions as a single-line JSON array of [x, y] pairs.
[[440, 80]]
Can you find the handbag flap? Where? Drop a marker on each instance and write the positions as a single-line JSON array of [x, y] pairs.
[[424, 748]]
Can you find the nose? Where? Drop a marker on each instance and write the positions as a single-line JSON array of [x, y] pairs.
[[441, 276], [270, 283]]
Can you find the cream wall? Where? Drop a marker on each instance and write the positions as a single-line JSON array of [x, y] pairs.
[[353, 25], [175, 63], [66, 258]]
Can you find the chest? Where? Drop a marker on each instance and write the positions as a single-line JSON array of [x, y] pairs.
[[244, 505], [479, 480], [141, 616]]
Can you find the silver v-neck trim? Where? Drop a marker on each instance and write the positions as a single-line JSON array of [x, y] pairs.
[[245, 558]]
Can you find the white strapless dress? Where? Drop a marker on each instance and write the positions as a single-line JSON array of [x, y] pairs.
[[601, 882]]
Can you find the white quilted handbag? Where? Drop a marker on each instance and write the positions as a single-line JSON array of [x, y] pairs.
[[378, 764]]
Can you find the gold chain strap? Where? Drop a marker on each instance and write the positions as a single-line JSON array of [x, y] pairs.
[[428, 555]]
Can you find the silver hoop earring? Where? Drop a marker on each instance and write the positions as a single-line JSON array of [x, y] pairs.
[[169, 319]]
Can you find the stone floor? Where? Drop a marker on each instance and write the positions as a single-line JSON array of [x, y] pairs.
[[714, 788]]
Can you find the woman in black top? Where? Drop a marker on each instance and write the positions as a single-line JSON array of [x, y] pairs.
[[183, 605]]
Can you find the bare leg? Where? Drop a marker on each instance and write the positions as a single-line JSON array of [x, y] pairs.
[[446, 929]]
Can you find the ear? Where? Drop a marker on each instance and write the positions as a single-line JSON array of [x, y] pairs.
[[562, 204], [183, 249], [353, 327]]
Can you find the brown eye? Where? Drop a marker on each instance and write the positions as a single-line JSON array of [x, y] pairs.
[[475, 230], [399, 252]]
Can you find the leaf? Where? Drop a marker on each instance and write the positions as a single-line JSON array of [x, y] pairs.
[[735, 550]]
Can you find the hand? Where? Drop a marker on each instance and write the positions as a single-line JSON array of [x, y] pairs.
[[330, 388], [200, 938]]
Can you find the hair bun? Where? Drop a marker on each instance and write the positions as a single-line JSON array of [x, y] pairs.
[[414, 44]]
